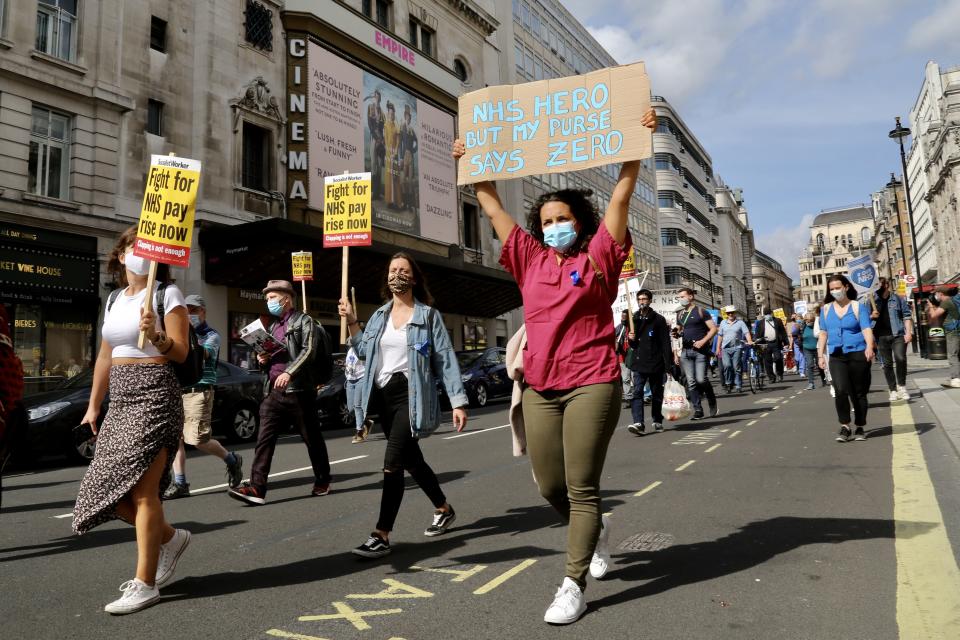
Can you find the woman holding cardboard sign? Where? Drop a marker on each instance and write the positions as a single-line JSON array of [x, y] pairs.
[[141, 431], [566, 264]]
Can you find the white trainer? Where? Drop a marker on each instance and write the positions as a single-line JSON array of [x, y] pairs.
[[833, 392], [893, 396], [568, 605], [600, 563], [902, 393], [137, 595], [169, 555]]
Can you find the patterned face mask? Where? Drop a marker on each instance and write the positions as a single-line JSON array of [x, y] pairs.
[[399, 283]]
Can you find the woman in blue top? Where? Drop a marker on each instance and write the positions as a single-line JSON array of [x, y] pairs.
[[808, 343], [846, 335], [405, 348]]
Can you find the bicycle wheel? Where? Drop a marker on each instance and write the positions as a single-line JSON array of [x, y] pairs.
[[759, 375], [753, 388]]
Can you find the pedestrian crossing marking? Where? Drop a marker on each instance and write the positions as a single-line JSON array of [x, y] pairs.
[[650, 487], [685, 465], [351, 615], [461, 574], [714, 448], [700, 437], [395, 590], [503, 577], [736, 433], [280, 633], [928, 580]]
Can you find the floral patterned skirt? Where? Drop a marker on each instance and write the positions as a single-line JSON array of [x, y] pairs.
[[144, 417]]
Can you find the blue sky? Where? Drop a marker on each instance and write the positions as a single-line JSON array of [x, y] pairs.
[[792, 99]]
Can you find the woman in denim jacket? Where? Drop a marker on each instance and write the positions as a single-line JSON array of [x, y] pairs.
[[406, 348]]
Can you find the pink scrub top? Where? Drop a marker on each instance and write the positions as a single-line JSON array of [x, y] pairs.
[[570, 340]]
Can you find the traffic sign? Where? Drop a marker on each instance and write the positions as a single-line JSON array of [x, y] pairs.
[[910, 279]]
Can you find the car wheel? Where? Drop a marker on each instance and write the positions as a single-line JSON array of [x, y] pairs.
[[481, 395], [246, 422], [344, 412]]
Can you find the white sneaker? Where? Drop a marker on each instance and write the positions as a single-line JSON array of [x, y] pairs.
[[169, 554], [568, 605], [600, 563], [902, 393], [893, 396], [955, 383], [833, 392], [137, 595]]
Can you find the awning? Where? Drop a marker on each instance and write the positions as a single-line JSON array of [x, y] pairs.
[[247, 255]]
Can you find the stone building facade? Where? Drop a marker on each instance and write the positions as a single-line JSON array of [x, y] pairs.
[[894, 245], [736, 248], [836, 235], [772, 288]]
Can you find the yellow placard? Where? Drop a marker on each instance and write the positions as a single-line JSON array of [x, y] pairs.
[[165, 229], [780, 314], [347, 219], [901, 287], [629, 266], [302, 265]]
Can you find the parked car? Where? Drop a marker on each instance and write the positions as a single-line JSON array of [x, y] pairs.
[[484, 375], [332, 397], [53, 414]]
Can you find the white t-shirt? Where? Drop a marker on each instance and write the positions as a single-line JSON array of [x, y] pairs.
[[393, 353], [121, 322]]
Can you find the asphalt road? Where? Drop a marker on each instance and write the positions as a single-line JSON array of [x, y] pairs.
[[754, 524]]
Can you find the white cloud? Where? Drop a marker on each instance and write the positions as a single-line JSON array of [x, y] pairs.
[[939, 29], [784, 244]]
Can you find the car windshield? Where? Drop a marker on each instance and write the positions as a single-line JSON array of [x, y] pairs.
[[82, 379], [466, 359]]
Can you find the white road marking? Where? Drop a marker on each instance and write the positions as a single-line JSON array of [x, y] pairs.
[[734, 434], [473, 433], [685, 465], [650, 487], [714, 448], [752, 422]]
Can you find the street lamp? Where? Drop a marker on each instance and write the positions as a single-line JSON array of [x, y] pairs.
[[886, 243], [899, 133], [713, 300]]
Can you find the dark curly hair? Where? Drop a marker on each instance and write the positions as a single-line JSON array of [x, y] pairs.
[[581, 205], [116, 269]]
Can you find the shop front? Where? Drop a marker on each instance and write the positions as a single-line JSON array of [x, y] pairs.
[[48, 282]]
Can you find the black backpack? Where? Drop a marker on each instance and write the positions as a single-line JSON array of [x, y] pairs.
[[190, 370], [323, 359]]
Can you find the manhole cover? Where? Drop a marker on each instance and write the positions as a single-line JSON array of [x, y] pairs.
[[647, 541]]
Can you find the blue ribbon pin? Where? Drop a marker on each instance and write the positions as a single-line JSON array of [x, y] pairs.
[[575, 277], [423, 347]]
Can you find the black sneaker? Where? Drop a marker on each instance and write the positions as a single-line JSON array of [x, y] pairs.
[[698, 415], [843, 435], [859, 435], [374, 547], [176, 490], [637, 428], [658, 427], [235, 472], [441, 521]]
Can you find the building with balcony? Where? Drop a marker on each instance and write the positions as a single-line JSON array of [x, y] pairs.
[[736, 248], [772, 288], [687, 208], [836, 235], [538, 40]]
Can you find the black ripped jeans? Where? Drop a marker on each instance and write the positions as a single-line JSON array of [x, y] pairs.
[[403, 452]]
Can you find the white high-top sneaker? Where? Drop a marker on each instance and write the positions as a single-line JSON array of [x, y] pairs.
[[568, 605], [600, 563], [169, 555], [902, 393], [137, 595]]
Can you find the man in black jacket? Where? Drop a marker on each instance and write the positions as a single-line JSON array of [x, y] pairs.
[[769, 331], [652, 356], [290, 395]]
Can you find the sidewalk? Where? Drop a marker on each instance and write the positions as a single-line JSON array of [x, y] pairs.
[[926, 376]]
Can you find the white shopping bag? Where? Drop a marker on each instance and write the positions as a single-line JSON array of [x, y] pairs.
[[675, 403]]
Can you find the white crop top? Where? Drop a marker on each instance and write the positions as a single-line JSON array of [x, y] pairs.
[[121, 322]]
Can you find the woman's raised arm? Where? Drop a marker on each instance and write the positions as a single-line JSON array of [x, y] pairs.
[[503, 223]]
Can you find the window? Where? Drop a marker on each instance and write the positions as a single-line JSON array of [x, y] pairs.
[[378, 11], [865, 236], [155, 117], [421, 36], [3, 8], [669, 237], [518, 54], [460, 70], [158, 34], [256, 158], [471, 226], [820, 241], [49, 154], [56, 28], [850, 240], [258, 27], [528, 62]]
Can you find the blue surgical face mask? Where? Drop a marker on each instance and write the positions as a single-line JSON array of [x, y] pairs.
[[194, 320], [275, 307], [560, 236]]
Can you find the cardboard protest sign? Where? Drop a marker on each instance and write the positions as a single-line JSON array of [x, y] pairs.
[[902, 288], [347, 219], [553, 126], [862, 273], [165, 229], [666, 302], [624, 302], [800, 306], [779, 313], [302, 265]]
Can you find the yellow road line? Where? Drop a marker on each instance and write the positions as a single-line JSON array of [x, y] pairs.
[[503, 577], [714, 448], [650, 487], [279, 633], [734, 434], [685, 465], [461, 574], [928, 581], [751, 423]]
